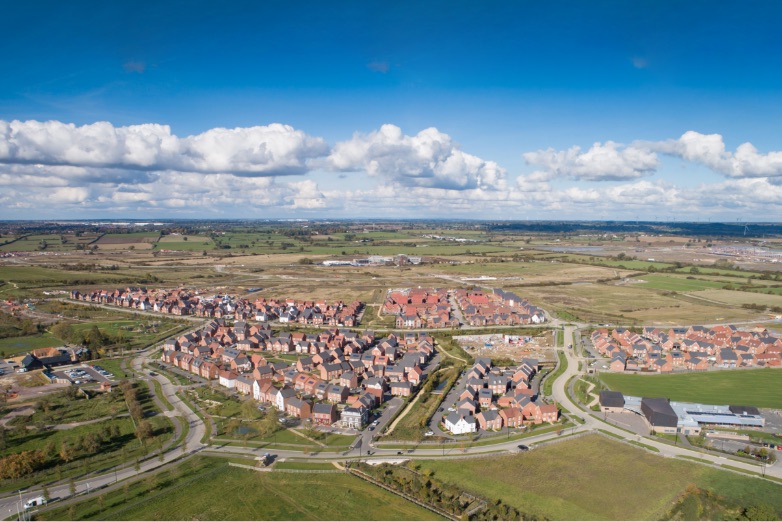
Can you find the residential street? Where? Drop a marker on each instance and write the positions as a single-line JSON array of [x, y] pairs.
[[9, 503]]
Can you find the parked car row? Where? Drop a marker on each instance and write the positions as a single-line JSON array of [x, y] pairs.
[[79, 376], [103, 372]]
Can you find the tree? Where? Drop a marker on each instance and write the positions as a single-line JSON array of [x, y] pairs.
[[72, 487], [45, 494], [66, 452], [250, 409], [144, 431]]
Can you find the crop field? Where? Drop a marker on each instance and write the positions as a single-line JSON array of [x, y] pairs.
[[529, 272], [677, 283], [631, 304], [731, 297], [141, 240], [183, 242], [216, 491], [47, 243], [758, 388], [606, 480]]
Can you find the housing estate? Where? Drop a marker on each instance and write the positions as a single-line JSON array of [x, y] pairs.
[[353, 372], [691, 348], [497, 307], [495, 397], [183, 301], [416, 308]]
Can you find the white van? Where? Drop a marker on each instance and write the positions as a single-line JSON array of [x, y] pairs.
[[35, 501]]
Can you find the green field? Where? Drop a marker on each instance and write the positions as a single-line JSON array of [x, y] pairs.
[[633, 304], [676, 283], [215, 491], [758, 388], [14, 345], [595, 478]]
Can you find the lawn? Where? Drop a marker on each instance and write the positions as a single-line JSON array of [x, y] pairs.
[[595, 478], [219, 492], [758, 388], [15, 345]]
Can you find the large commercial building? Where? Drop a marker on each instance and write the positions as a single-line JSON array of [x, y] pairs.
[[665, 416]]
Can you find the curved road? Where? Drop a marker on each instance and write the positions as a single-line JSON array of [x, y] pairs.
[[8, 503]]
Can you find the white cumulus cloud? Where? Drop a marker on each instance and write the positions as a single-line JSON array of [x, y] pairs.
[[607, 161], [710, 150], [270, 150], [428, 159]]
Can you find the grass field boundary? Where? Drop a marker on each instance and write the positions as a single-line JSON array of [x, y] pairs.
[[641, 445], [696, 459]]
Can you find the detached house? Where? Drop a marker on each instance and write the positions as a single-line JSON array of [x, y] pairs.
[[459, 423]]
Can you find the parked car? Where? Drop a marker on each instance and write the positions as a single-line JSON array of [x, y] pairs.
[[429, 434], [522, 447]]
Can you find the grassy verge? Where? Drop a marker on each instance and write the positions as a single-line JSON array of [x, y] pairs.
[[549, 379], [187, 491]]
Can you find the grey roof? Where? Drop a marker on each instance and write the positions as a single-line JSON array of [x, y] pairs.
[[323, 407], [659, 412], [612, 399]]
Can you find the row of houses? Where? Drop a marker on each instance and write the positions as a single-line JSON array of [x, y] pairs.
[[190, 302], [691, 348], [416, 308], [497, 307], [349, 370], [494, 398]]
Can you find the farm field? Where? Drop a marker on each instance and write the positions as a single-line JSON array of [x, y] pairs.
[[631, 304], [731, 297], [603, 479], [139, 240], [677, 283], [219, 492], [758, 388], [529, 272]]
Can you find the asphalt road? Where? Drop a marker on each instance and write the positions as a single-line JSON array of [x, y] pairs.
[[9, 503]]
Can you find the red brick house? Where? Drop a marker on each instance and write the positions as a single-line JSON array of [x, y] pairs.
[[512, 417], [298, 408], [549, 413], [324, 414]]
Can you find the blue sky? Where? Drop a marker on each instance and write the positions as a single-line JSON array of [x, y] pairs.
[[609, 89]]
